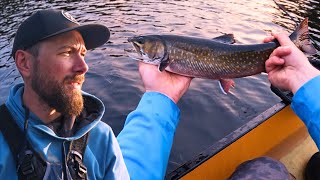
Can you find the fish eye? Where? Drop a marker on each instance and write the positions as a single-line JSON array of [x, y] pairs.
[[140, 41]]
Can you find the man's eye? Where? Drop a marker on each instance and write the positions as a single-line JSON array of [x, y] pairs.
[[66, 53]]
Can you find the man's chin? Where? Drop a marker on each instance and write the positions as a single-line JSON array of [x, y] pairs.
[[76, 91], [73, 86], [74, 104]]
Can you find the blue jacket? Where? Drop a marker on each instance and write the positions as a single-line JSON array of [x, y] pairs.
[[102, 157], [145, 140], [306, 105], [147, 136]]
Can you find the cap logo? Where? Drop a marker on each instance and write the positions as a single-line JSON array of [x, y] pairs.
[[69, 17]]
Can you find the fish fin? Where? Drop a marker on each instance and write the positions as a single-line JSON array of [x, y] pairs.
[[163, 65], [226, 84], [301, 39], [226, 39]]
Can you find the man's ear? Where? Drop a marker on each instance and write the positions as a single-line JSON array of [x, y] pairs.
[[23, 62]]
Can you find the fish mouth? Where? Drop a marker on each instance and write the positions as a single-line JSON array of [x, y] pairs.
[[135, 44], [138, 53], [138, 56], [135, 53]]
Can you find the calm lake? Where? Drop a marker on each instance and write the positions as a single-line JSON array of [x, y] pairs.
[[207, 115]]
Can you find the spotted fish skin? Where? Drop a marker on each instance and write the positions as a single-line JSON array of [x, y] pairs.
[[211, 59]]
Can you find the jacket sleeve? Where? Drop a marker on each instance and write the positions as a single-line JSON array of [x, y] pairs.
[[147, 136], [306, 104]]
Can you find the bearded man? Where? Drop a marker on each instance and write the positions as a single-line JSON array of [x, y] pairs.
[[51, 129]]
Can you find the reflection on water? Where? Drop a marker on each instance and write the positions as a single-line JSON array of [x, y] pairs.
[[206, 114]]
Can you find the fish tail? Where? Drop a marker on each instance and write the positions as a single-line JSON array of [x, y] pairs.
[[301, 39]]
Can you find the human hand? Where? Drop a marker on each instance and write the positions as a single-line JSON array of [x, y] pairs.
[[287, 67], [169, 84]]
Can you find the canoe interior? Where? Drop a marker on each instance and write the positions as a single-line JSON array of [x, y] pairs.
[[276, 133]]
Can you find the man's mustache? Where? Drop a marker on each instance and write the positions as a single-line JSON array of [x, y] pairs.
[[75, 79]]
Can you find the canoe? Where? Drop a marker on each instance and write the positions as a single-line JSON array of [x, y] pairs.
[[276, 133]]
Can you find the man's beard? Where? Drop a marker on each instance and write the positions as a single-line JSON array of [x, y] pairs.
[[56, 95]]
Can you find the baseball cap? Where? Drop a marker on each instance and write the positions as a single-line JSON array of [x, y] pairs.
[[44, 24]]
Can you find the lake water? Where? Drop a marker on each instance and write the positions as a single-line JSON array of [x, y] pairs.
[[207, 115]]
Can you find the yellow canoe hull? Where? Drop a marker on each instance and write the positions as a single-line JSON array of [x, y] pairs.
[[278, 133]]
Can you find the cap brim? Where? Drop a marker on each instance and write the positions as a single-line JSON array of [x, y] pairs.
[[94, 35]]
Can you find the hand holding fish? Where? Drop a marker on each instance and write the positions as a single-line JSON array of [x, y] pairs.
[[288, 68], [169, 84]]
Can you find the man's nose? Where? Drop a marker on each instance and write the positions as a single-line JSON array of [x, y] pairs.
[[80, 66]]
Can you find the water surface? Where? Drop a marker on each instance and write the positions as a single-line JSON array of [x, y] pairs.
[[207, 115]]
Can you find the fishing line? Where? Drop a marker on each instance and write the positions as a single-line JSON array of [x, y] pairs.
[[286, 12]]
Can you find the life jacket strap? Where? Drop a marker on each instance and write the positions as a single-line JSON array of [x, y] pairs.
[[11, 132], [30, 165], [75, 158]]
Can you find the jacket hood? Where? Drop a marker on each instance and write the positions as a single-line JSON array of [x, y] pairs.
[[94, 112]]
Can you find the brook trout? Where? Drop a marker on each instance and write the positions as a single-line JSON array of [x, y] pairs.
[[211, 59]]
